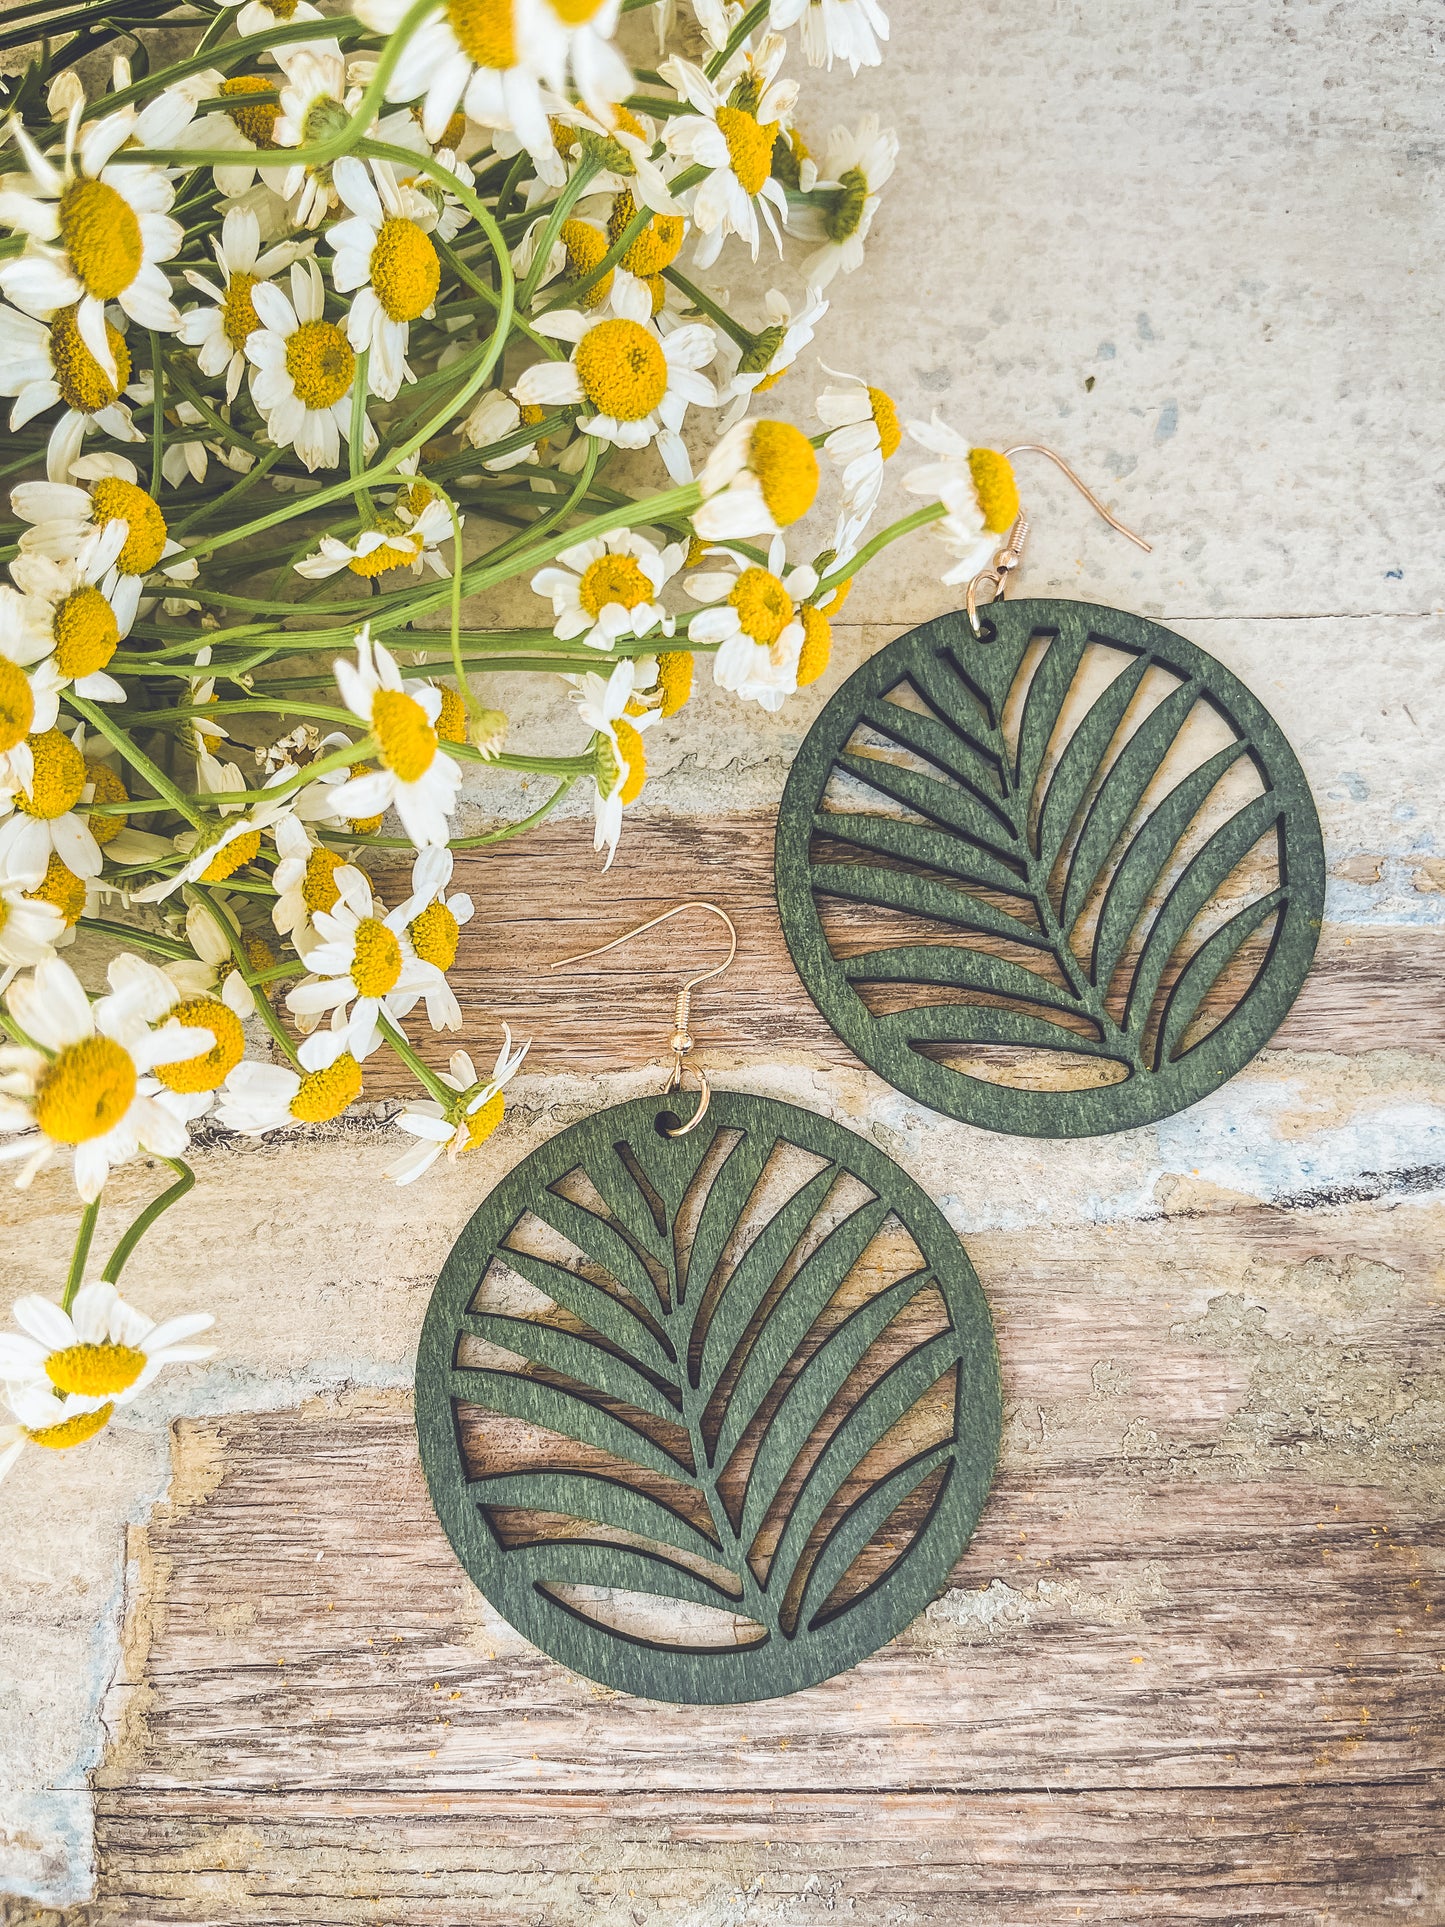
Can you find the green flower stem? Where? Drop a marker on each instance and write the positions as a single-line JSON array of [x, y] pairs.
[[197, 893], [247, 482], [234, 55], [355, 460], [338, 759], [739, 34], [95, 714], [571, 194], [480, 841], [443, 1094], [81, 1252], [143, 939], [744, 337], [115, 1264], [459, 268], [919, 519]]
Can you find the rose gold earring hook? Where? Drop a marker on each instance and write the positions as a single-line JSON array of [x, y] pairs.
[[1006, 562], [681, 1042]]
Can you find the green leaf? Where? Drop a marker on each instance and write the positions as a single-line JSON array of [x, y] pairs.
[[863, 1519], [563, 1412], [921, 897], [577, 1358], [1205, 967], [942, 803], [1082, 755], [587, 1495]]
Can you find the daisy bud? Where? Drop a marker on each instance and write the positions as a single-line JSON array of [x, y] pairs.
[[489, 732]]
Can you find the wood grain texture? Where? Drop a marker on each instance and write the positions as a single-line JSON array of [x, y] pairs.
[[1187, 1670], [1369, 989]]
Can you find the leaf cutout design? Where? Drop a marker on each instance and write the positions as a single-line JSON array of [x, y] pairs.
[[821, 1349], [1088, 804]]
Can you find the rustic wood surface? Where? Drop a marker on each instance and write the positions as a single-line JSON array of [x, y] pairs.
[[1190, 1668]]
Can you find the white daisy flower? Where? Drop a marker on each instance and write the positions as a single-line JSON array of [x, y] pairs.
[[865, 433], [102, 1348], [735, 144], [608, 587], [218, 974], [416, 778], [95, 232], [620, 758], [44, 364], [43, 820], [216, 854], [313, 91], [304, 881], [854, 168], [386, 257], [834, 30], [220, 332], [30, 928], [42, 1418], [363, 968], [756, 622], [304, 366], [267, 1097], [625, 142], [638, 382], [776, 346], [76, 1085], [426, 1119], [180, 992], [67, 604], [107, 524], [398, 539], [260, 16], [433, 919], [29, 686], [247, 128], [975, 485], [495, 418], [760, 478], [488, 57]]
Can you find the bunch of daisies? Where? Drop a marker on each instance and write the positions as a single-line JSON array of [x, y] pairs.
[[315, 336]]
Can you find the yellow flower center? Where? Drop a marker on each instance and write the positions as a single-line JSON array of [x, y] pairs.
[[451, 724], [484, 1120], [320, 363], [659, 243], [318, 886], [111, 500], [435, 935], [83, 383], [232, 856], [61, 887], [405, 271], [106, 787], [634, 760], [59, 777], [326, 1094], [376, 958], [363, 825], [453, 134], [94, 1370], [750, 146], [612, 578], [486, 31], [386, 555], [407, 741], [256, 123], [210, 1072], [838, 595], [585, 247], [995, 487], [674, 679], [70, 1431], [817, 645], [280, 9], [575, 13], [17, 704], [238, 311], [764, 606], [86, 633], [622, 369], [101, 235], [885, 420], [627, 122], [85, 1091], [783, 460]]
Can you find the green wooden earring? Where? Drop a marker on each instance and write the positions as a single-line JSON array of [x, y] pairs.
[[739, 1370], [1049, 868]]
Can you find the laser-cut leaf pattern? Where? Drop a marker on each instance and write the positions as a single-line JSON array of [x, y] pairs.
[[1071, 866], [773, 1408]]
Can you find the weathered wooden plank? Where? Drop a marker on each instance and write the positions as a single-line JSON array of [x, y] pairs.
[[1278, 1854], [1370, 988]]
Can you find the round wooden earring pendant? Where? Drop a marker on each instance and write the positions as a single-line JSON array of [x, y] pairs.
[[1060, 879], [708, 1418]]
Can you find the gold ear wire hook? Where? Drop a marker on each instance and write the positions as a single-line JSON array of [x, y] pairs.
[[1010, 555], [681, 1041]]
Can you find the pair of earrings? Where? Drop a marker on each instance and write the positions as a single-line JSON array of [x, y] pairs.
[[709, 1406]]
